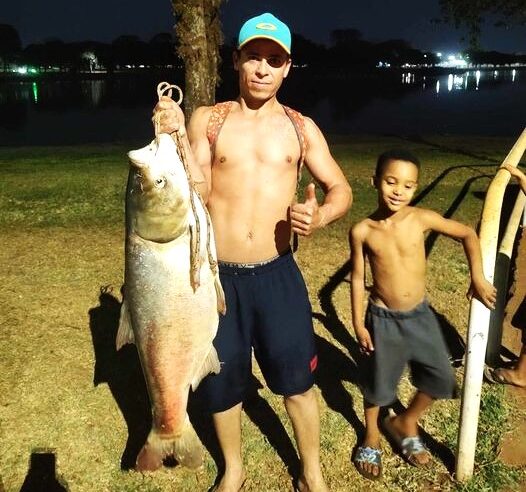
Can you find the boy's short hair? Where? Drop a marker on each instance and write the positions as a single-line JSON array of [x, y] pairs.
[[395, 155]]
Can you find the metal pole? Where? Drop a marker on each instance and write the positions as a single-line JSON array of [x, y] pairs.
[[502, 270], [479, 319]]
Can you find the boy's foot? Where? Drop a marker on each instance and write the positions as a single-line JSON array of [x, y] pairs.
[[500, 375], [368, 462], [411, 446]]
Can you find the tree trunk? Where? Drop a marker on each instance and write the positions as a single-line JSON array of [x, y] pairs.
[[198, 31]]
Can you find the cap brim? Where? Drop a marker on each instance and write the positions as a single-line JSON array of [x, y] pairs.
[[260, 36]]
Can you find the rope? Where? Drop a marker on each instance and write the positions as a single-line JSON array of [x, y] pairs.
[[195, 265]]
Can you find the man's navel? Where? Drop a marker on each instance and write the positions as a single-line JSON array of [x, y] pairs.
[[250, 235]]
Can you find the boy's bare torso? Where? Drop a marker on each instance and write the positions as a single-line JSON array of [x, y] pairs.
[[254, 176], [396, 251]]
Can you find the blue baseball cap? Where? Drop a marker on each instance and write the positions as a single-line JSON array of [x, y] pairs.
[[265, 26]]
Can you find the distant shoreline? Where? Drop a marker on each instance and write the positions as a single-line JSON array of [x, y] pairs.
[[319, 71]]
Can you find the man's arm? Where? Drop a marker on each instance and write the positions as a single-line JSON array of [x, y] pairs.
[[358, 288], [480, 287], [194, 140], [308, 216]]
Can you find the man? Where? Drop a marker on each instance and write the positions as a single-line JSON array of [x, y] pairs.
[[245, 157]]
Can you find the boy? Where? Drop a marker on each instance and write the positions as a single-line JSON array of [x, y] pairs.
[[399, 325]]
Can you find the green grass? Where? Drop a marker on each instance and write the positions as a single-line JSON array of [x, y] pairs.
[[61, 221]]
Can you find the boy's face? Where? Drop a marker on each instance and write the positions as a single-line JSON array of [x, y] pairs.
[[396, 184]]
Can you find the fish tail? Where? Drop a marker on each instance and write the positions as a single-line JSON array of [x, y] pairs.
[[186, 447]]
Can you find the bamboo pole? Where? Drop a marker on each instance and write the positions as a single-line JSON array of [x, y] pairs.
[[479, 317]]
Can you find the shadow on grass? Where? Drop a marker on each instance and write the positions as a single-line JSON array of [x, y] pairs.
[[122, 372], [42, 475]]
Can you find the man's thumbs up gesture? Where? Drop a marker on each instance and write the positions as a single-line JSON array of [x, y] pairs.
[[306, 217]]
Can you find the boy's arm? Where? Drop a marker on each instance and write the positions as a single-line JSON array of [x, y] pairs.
[[358, 288], [518, 174], [480, 287]]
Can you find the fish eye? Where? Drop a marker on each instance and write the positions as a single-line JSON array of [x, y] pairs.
[[159, 182]]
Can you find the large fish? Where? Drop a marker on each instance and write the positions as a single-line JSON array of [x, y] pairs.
[[172, 296]]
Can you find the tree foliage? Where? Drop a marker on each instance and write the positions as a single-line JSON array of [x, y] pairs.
[[10, 44], [471, 14]]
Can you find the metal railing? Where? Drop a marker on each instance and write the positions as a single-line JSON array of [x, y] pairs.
[[479, 316]]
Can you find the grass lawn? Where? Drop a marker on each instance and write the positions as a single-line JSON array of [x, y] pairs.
[[64, 390]]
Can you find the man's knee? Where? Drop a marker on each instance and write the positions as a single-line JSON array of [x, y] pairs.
[[300, 398]]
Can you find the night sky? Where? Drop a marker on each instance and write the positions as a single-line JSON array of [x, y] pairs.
[[377, 20]]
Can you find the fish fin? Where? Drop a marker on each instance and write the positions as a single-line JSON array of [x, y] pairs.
[[221, 302], [211, 364], [185, 447], [125, 333]]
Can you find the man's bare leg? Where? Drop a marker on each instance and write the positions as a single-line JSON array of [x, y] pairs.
[[228, 429], [304, 415]]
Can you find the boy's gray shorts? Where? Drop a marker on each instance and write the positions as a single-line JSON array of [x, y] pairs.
[[406, 337]]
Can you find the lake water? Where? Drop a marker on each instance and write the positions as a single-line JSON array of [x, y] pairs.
[[118, 109]]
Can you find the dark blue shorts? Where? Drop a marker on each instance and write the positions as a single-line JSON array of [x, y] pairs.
[[401, 338], [268, 310]]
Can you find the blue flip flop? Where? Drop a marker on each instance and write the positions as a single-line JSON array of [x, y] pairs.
[[409, 446], [372, 456]]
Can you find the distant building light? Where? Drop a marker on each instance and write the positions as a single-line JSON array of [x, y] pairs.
[[22, 70]]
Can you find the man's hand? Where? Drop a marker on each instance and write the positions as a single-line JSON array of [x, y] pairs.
[[306, 217], [364, 340], [168, 117], [483, 291]]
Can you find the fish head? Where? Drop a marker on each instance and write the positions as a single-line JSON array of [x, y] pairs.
[[158, 192]]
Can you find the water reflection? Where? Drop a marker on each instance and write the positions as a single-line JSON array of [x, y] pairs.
[[74, 111]]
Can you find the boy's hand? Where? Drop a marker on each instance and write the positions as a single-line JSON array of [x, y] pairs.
[[365, 341], [483, 291], [168, 117]]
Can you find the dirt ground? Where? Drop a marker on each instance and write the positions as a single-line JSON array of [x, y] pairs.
[[514, 445]]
